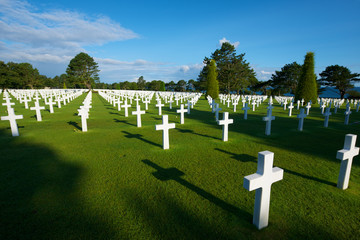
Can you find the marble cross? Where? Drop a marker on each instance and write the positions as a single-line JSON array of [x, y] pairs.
[[217, 109], [225, 122], [327, 115], [181, 111], [268, 120], [290, 107], [84, 113], [308, 106], [346, 156], [126, 107], [347, 114], [165, 126], [189, 104], [261, 181], [12, 119], [246, 108], [37, 108], [138, 113], [146, 101], [51, 103], [301, 117], [159, 105]]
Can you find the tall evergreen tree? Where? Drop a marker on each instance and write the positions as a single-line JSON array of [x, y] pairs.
[[307, 87], [141, 83], [83, 71], [212, 84]]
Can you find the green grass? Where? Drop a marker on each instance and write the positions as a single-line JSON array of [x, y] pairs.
[[116, 182]]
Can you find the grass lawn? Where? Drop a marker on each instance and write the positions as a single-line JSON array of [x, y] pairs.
[[116, 182]]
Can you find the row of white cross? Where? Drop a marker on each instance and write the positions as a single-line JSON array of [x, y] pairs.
[[37, 108]]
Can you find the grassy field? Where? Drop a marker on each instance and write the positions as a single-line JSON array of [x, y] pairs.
[[116, 182]]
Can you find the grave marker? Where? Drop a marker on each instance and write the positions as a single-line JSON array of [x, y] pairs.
[[12, 119], [346, 156], [181, 111], [225, 122], [261, 181], [165, 126], [138, 113], [37, 108]]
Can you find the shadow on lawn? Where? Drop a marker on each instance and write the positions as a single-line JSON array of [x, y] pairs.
[[123, 121], [140, 137], [199, 134], [174, 174], [248, 158], [39, 195], [74, 124]]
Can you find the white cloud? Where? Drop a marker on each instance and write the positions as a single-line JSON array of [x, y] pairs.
[[266, 73], [224, 40], [37, 36]]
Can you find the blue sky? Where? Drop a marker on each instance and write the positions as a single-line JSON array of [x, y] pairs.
[[168, 40]]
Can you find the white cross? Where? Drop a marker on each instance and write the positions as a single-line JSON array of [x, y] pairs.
[[262, 180], [137, 99], [301, 117], [26, 101], [84, 113], [181, 111], [290, 108], [189, 104], [327, 114], [146, 101], [59, 102], [119, 102], [253, 103], [302, 102], [36, 98], [212, 105], [323, 106], [346, 156], [170, 102], [347, 115], [37, 108], [217, 109], [234, 105], [138, 113], [298, 104], [126, 106], [8, 104], [165, 126], [285, 103], [51, 103], [159, 105], [228, 102], [246, 108], [308, 106], [12, 119], [225, 122], [268, 120]]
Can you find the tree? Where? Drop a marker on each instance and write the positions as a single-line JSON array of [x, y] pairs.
[[170, 86], [234, 73], [339, 77], [141, 83], [307, 87], [181, 86], [286, 80], [190, 85], [212, 82], [83, 71]]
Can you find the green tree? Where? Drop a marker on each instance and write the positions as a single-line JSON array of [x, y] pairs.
[[181, 86], [191, 85], [162, 86], [170, 86], [212, 82], [286, 80], [141, 83], [307, 87], [234, 73], [339, 77], [83, 71]]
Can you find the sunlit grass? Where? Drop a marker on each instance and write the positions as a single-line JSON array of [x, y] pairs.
[[116, 181]]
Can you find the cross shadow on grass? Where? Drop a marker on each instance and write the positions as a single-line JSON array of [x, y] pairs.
[[140, 137], [199, 134], [39, 196], [74, 124], [123, 121], [174, 174], [248, 158], [239, 157], [114, 113]]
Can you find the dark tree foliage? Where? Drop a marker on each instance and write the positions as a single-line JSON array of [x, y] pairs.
[[83, 71], [141, 83], [234, 72], [286, 80], [307, 87], [181, 86], [339, 77]]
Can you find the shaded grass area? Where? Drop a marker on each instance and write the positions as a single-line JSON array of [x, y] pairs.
[[116, 182]]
